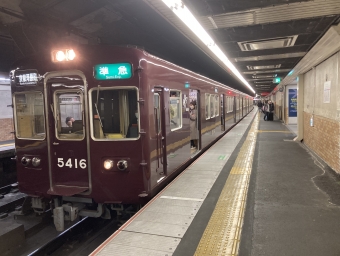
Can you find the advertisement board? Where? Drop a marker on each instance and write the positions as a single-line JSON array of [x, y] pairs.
[[292, 102]]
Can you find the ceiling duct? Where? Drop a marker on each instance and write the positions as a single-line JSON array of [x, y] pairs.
[[263, 67], [280, 42], [266, 71], [274, 13], [271, 57], [263, 82], [265, 76]]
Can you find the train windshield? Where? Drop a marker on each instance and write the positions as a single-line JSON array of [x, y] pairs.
[[69, 115], [115, 114], [29, 115]]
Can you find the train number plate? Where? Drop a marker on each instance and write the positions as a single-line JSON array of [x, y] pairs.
[[75, 163]]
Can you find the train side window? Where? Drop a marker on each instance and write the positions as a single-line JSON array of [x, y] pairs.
[[229, 104], [69, 115], [217, 105], [212, 105], [175, 109], [232, 104], [29, 115], [156, 102], [114, 113], [207, 106]]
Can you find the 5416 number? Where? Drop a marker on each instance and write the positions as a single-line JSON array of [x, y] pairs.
[[81, 163]]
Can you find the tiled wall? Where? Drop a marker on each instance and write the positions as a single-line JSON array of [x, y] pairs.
[[323, 139]]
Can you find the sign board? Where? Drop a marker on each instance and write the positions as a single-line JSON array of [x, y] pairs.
[[277, 80], [292, 102], [112, 71], [69, 100], [26, 77]]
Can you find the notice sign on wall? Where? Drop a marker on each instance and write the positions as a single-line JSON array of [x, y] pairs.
[[292, 102], [327, 92]]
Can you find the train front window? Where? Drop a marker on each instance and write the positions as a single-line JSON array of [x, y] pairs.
[[29, 115], [115, 114], [68, 115]]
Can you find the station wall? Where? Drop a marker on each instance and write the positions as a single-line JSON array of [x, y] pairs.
[[322, 105]]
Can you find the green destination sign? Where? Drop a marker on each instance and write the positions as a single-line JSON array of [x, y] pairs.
[[112, 71]]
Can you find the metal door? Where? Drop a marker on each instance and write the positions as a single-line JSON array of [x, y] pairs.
[[65, 103]]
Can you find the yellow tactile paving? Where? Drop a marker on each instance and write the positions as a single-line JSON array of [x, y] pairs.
[[274, 131], [6, 145], [223, 232]]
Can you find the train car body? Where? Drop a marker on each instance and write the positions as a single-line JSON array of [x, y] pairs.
[[130, 130]]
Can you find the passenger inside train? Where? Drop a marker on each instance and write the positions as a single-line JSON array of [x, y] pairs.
[[69, 121]]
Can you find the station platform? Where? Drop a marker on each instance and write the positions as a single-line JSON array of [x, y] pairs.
[[255, 192], [7, 148]]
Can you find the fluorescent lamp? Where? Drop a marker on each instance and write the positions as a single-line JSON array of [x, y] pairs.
[[182, 12]]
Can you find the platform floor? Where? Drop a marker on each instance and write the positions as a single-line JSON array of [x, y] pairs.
[[255, 192], [7, 148]]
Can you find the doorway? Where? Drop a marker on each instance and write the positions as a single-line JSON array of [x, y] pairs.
[[195, 127]]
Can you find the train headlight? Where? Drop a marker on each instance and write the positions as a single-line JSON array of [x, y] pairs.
[[36, 161], [70, 54], [108, 164], [25, 161], [60, 56], [122, 165], [63, 55]]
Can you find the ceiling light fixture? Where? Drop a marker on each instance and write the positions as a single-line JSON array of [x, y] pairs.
[[182, 12]]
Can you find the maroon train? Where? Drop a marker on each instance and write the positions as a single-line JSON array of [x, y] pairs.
[[104, 127]]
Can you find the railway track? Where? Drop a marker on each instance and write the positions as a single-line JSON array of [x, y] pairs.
[[84, 234], [10, 199]]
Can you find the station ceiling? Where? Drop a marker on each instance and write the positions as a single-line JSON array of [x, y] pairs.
[[264, 39]]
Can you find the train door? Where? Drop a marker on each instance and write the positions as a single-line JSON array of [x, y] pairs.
[[67, 136], [242, 107], [195, 123], [234, 107], [222, 102], [160, 129]]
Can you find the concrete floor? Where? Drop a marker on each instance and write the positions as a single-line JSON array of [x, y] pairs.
[[289, 211]]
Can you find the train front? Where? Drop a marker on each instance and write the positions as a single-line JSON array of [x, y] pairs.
[[78, 138]]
